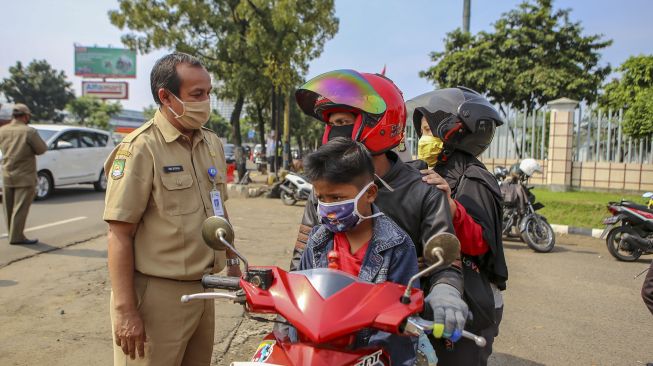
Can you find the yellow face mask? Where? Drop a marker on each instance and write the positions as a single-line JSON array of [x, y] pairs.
[[428, 149]]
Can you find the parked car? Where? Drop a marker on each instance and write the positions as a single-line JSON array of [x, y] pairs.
[[229, 151], [75, 155]]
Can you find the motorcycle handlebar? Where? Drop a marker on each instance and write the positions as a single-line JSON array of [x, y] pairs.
[[221, 282], [415, 325]]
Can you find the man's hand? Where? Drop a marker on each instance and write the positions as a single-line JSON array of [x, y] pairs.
[[234, 271], [130, 333], [434, 179], [449, 312]]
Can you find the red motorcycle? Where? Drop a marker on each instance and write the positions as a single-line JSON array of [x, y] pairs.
[[327, 307]]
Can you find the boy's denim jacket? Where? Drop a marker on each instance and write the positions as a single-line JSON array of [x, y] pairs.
[[391, 256]]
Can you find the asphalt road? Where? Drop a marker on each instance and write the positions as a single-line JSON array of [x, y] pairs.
[[71, 215]]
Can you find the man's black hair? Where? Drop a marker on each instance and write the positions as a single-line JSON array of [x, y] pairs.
[[164, 73], [340, 161]]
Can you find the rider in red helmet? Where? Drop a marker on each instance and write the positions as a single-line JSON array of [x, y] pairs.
[[369, 108]]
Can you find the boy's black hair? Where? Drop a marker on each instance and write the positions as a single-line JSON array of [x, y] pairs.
[[340, 161]]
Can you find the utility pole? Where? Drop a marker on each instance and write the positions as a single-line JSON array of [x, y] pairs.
[[466, 14], [286, 133]]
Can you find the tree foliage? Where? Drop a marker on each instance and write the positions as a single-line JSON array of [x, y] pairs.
[[92, 112], [247, 45], [533, 55], [44, 90], [633, 91]]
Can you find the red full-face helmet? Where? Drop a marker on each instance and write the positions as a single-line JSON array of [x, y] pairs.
[[374, 99]]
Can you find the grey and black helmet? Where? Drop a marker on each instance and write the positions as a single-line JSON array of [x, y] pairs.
[[462, 118]]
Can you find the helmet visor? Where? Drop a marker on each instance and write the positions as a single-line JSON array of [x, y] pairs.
[[340, 87]]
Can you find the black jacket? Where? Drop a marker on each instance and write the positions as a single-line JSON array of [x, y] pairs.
[[419, 209], [478, 192]]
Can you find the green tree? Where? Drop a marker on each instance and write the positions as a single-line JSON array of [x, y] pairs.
[[533, 55], [92, 112], [239, 41], [43, 89], [633, 91], [219, 125], [638, 119]]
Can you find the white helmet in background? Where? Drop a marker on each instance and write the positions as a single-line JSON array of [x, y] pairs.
[[529, 167]]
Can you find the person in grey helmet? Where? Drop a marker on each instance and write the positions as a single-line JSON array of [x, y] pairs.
[[455, 126]]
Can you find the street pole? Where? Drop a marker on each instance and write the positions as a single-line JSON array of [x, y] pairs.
[[466, 14], [286, 133]]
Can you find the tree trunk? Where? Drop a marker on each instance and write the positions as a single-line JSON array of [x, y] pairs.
[[235, 120], [261, 127], [300, 145]]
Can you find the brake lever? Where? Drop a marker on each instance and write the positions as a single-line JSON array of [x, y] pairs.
[[235, 297]]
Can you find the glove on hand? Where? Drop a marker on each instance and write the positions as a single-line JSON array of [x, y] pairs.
[[449, 311]]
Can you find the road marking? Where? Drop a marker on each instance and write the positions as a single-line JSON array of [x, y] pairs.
[[50, 225]]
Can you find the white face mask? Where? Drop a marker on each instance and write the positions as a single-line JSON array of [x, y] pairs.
[[195, 114]]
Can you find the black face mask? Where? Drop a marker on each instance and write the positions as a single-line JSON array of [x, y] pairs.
[[341, 131]]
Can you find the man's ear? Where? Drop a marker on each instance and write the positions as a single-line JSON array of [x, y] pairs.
[[164, 97], [372, 193]]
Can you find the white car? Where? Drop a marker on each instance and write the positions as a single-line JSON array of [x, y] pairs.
[[75, 155]]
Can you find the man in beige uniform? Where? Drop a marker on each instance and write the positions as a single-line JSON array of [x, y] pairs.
[[158, 195], [19, 145]]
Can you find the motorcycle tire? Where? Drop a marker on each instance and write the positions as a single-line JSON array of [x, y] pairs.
[[287, 198], [613, 241], [539, 236]]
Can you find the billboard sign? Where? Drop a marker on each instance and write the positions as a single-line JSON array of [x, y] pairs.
[[101, 62], [106, 90]]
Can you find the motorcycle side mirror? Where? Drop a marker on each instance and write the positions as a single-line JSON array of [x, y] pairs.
[[439, 251], [218, 234], [213, 229]]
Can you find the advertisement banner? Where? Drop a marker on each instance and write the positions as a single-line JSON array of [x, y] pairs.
[[106, 90], [100, 62]]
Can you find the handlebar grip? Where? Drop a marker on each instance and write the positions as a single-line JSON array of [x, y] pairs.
[[221, 282]]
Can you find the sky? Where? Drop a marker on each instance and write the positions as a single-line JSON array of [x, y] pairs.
[[373, 33]]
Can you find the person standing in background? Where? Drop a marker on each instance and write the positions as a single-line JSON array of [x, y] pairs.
[[19, 144]]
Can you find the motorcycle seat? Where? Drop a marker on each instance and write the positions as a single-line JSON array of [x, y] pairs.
[[637, 206]]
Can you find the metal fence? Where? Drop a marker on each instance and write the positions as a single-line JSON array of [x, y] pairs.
[[597, 136]]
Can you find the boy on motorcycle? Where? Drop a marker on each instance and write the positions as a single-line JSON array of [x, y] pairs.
[[455, 126], [353, 235], [370, 109]]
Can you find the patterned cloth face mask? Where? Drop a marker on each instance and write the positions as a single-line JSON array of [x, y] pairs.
[[343, 216]]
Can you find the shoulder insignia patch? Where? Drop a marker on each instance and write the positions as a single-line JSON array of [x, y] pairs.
[[118, 168], [123, 153]]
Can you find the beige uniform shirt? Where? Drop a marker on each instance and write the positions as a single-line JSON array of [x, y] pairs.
[[20, 144], [159, 180]]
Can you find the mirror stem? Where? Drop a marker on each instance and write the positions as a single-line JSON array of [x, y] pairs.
[[405, 299], [220, 234]]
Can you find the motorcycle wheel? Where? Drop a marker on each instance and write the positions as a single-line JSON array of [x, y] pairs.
[[287, 198], [613, 241], [539, 235]]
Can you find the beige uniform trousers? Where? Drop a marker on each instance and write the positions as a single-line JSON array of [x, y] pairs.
[[177, 333], [16, 202]]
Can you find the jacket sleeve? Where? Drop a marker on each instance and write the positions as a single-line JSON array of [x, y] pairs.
[[469, 233], [404, 263], [309, 221], [436, 218], [36, 143], [647, 289]]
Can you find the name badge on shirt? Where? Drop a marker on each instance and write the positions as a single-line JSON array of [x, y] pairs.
[[216, 201], [173, 168]]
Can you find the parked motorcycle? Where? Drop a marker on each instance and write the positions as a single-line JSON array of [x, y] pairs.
[[327, 307], [295, 188], [628, 232], [519, 206]]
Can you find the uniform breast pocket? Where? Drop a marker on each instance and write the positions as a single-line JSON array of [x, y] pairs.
[[180, 197]]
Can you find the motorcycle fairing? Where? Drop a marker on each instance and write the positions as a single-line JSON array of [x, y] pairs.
[[353, 306]]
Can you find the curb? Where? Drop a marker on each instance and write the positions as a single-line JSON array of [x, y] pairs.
[[565, 229]]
